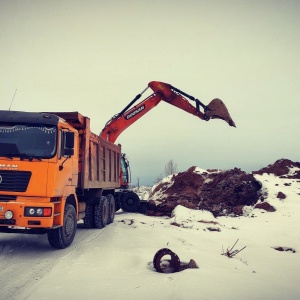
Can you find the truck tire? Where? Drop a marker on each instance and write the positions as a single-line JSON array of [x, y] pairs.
[[63, 236], [101, 212], [130, 202], [112, 208], [117, 203], [88, 218]]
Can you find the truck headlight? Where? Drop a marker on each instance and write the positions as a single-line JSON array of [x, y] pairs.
[[38, 211], [8, 214]]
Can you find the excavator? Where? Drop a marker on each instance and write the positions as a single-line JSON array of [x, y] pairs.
[[216, 109]]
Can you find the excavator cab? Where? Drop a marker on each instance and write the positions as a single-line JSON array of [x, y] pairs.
[[125, 177]]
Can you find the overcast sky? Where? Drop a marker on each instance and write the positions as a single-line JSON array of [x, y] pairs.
[[96, 56]]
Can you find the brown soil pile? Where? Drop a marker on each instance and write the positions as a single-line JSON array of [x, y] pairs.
[[184, 191], [281, 168], [220, 192], [229, 191]]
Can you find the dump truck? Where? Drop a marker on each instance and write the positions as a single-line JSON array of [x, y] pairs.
[[55, 172]]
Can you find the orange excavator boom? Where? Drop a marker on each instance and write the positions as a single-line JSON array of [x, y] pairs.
[[166, 92]]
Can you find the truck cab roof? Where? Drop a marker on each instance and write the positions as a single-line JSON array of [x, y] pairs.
[[9, 116]]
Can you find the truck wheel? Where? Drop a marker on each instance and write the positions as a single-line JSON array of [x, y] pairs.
[[88, 218], [130, 202], [117, 204], [112, 208], [101, 211], [63, 236]]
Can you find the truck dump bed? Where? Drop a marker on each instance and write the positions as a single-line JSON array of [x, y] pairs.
[[99, 160]]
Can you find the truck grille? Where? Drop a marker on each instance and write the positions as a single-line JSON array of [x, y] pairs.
[[14, 181], [7, 198]]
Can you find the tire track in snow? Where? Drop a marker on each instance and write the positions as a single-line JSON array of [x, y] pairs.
[[26, 259]]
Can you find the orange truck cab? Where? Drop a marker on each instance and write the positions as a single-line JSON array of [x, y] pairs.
[[54, 172]]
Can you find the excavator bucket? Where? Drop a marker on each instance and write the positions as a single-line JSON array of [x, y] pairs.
[[216, 109]]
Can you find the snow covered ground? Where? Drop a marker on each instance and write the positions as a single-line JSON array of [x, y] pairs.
[[116, 262]]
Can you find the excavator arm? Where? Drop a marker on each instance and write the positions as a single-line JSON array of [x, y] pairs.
[[163, 92]]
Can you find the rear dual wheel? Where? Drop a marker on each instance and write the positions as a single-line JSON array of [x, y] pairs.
[[88, 218], [100, 214], [112, 208]]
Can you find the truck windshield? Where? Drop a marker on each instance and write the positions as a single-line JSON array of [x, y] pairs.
[[28, 141]]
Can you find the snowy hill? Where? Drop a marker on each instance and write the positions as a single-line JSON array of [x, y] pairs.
[[116, 262]]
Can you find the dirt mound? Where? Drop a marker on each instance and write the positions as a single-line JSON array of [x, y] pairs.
[[184, 191], [282, 168], [229, 191], [220, 192]]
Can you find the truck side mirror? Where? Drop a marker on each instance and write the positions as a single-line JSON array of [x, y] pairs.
[[68, 151], [69, 138]]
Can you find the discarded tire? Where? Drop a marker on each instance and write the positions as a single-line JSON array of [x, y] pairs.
[[169, 264]]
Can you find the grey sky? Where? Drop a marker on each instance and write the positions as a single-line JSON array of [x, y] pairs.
[[95, 56]]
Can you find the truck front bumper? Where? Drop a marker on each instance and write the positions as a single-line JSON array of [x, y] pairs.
[[26, 214]]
